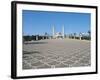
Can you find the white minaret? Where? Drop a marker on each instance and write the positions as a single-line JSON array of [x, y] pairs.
[[53, 30], [63, 32]]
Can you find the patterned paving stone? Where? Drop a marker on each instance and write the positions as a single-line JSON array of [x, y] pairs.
[[69, 62], [44, 66], [27, 57], [34, 60], [61, 65], [40, 57], [84, 60], [61, 59], [55, 57], [46, 60], [26, 66], [36, 63], [53, 63], [56, 53]]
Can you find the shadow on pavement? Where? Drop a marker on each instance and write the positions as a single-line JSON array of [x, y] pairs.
[[32, 52], [35, 42]]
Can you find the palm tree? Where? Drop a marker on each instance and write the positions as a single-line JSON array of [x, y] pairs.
[[46, 35], [80, 36], [74, 35], [89, 32]]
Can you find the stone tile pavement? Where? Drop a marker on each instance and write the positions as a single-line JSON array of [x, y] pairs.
[[56, 53]]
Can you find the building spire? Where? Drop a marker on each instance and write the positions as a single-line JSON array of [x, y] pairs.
[[63, 31], [53, 30]]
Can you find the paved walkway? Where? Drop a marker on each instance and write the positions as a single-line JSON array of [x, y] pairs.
[[56, 53]]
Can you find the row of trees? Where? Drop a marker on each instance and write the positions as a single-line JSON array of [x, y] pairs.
[[34, 37], [47, 36], [81, 36]]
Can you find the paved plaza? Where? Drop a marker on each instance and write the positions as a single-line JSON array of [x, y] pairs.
[[56, 53]]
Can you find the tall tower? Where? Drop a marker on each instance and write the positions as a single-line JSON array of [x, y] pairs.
[[63, 32], [53, 30]]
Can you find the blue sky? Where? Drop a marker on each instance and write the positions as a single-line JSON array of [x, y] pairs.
[[39, 22]]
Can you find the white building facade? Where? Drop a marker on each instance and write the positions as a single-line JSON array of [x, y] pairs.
[[57, 35]]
